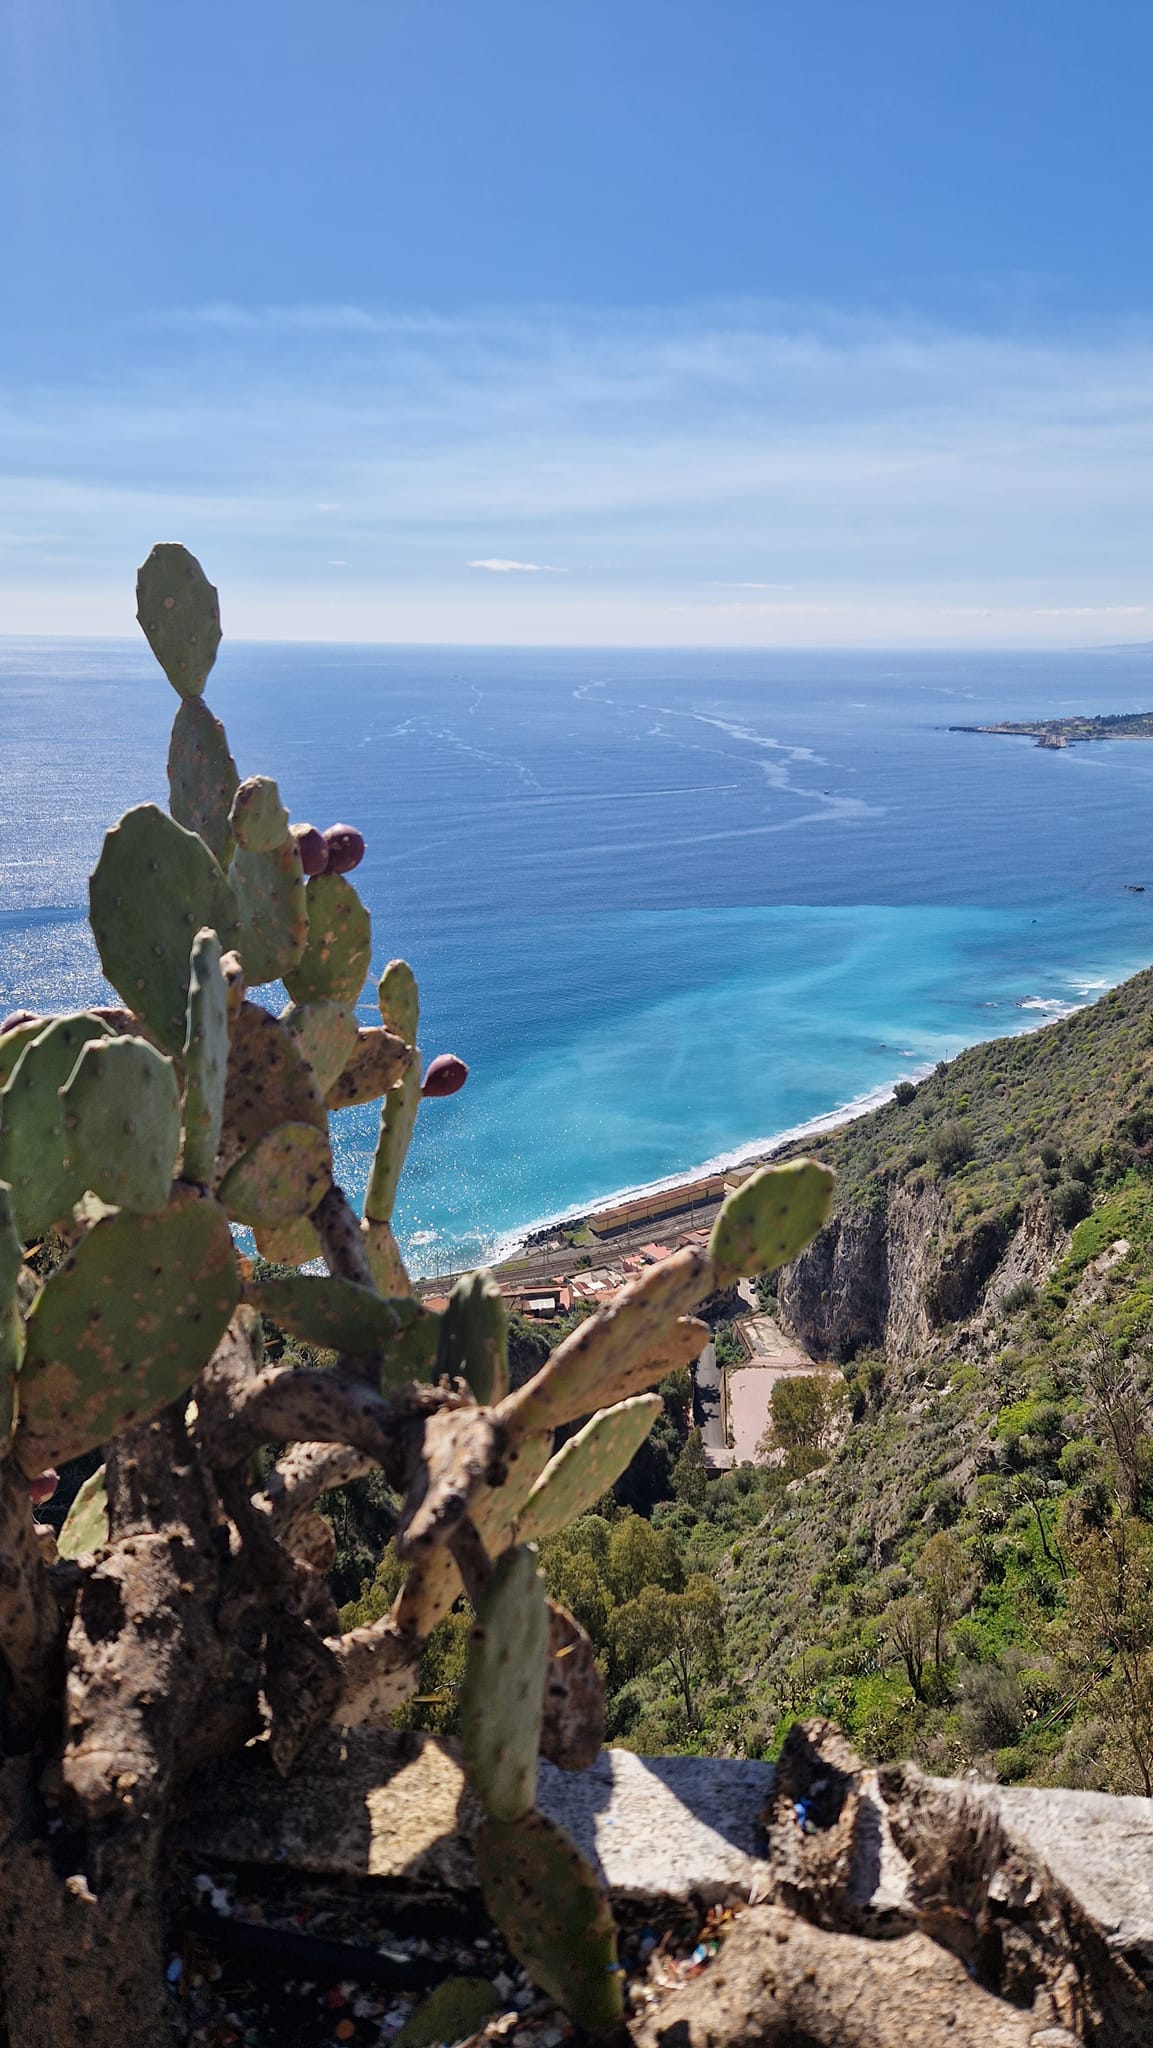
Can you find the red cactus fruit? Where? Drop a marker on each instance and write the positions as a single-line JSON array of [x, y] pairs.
[[445, 1075], [15, 1017], [311, 847], [43, 1487], [345, 849]]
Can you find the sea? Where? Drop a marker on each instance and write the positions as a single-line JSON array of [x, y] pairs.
[[668, 906]]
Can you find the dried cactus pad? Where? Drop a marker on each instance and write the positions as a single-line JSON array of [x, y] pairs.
[[179, 611], [771, 1218], [288, 1244], [553, 1913], [377, 1062], [342, 1316], [586, 1466], [339, 948], [124, 1326], [282, 1177], [122, 1120], [35, 1150], [202, 777], [399, 1000], [153, 888], [85, 1525], [502, 1694]]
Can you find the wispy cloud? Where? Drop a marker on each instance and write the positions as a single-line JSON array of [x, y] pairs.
[[502, 567], [901, 482]]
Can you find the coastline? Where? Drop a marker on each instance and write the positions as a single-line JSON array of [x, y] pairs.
[[532, 1239]]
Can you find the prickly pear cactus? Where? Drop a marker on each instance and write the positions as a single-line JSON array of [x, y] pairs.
[[502, 1696], [11, 1325], [343, 1316], [85, 1526], [280, 1179], [121, 1108], [765, 1223], [202, 777], [179, 612], [35, 1149], [399, 1000], [267, 882], [397, 1123], [335, 960], [378, 1060], [123, 1326], [327, 1036], [586, 1466], [474, 1336], [153, 888], [551, 1908], [205, 1058]]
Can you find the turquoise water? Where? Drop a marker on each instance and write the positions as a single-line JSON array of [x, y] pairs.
[[667, 906]]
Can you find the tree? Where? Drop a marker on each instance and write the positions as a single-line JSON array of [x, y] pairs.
[[683, 1630], [1108, 1629], [943, 1569], [806, 1411], [690, 1476], [910, 1626], [1117, 1391], [639, 1555]]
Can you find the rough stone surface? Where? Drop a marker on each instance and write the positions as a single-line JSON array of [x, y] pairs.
[[1100, 1847], [665, 1827]]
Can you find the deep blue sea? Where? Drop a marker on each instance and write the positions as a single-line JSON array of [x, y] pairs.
[[666, 905]]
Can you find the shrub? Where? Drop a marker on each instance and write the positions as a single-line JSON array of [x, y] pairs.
[[904, 1093], [1070, 1202], [951, 1146]]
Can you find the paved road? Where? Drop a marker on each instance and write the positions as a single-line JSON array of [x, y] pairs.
[[707, 1399]]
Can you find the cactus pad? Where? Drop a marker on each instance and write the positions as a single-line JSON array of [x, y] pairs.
[[335, 960], [503, 1687], [267, 883], [122, 1121], [376, 1064], [202, 777], [389, 1274], [397, 1123], [85, 1525], [180, 613], [35, 1150], [344, 1317], [553, 1913], [268, 1084], [153, 888], [399, 1000], [13, 1043], [496, 1510], [124, 1326], [205, 1056], [11, 1325], [283, 1176], [771, 1218], [586, 1466], [474, 1336], [288, 1244], [326, 1034], [455, 2011]]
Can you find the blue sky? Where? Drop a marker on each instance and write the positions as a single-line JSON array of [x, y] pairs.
[[728, 323]]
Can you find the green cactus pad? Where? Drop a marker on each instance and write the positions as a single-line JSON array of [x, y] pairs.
[[11, 1323], [552, 1911], [259, 820], [202, 777], [153, 888], [344, 1317], [35, 1149], [397, 1123], [389, 1275], [283, 1176], [339, 948], [503, 1688], [205, 1057], [399, 1000], [13, 1043], [267, 883], [179, 610], [288, 1244], [124, 1326], [456, 2010], [122, 1121], [376, 1064], [495, 1512], [326, 1034], [474, 1336], [85, 1526], [268, 1084], [770, 1219], [586, 1466]]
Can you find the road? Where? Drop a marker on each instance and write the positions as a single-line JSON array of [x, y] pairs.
[[707, 1399]]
